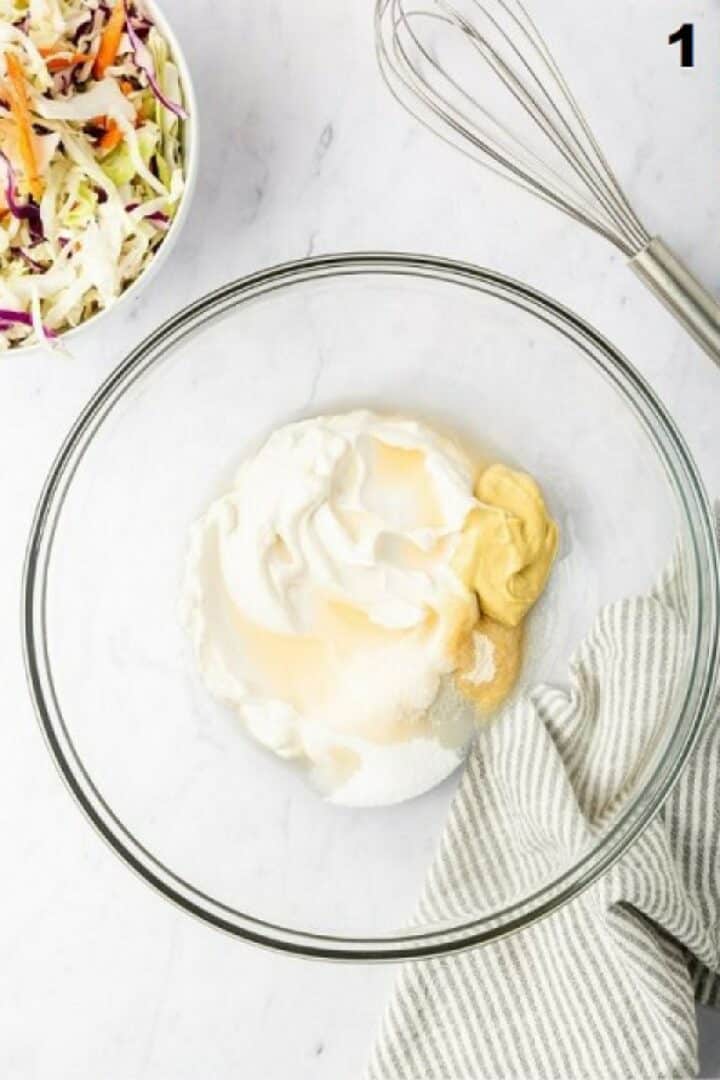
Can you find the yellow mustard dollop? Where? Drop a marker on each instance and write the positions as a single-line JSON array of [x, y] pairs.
[[508, 544]]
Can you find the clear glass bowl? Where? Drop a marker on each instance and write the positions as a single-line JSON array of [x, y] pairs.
[[215, 823]]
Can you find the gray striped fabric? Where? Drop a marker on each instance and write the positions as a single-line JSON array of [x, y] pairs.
[[604, 988]]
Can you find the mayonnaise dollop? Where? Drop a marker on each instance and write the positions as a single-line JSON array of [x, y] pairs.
[[330, 593]]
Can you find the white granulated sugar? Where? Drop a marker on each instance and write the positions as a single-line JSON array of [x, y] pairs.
[[396, 772], [392, 773], [483, 669]]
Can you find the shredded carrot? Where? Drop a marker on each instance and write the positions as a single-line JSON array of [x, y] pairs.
[[54, 50], [20, 108], [113, 137], [110, 41], [60, 63], [127, 87]]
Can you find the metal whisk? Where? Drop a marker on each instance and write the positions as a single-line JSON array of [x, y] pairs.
[[480, 74]]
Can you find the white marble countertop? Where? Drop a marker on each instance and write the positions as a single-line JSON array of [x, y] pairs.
[[304, 151]]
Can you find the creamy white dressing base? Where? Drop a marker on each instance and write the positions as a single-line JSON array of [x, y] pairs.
[[322, 604]]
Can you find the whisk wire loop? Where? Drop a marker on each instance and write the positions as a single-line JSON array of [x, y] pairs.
[[504, 40]]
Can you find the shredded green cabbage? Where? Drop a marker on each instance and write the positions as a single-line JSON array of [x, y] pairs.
[[109, 153]]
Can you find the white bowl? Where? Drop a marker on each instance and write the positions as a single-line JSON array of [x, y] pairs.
[[190, 143]]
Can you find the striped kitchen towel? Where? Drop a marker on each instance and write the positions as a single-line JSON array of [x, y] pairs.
[[604, 988]]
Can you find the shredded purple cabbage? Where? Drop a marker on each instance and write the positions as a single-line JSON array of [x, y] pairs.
[[10, 317], [157, 216], [29, 211], [141, 25], [81, 29], [34, 265], [86, 32], [143, 60], [63, 80]]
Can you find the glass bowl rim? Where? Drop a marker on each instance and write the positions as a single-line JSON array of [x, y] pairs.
[[420, 943]]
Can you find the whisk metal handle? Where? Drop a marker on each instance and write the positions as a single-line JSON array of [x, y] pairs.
[[680, 291]]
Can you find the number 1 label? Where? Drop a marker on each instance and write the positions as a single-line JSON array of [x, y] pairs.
[[686, 36]]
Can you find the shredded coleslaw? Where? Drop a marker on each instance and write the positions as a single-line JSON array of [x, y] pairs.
[[91, 158]]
